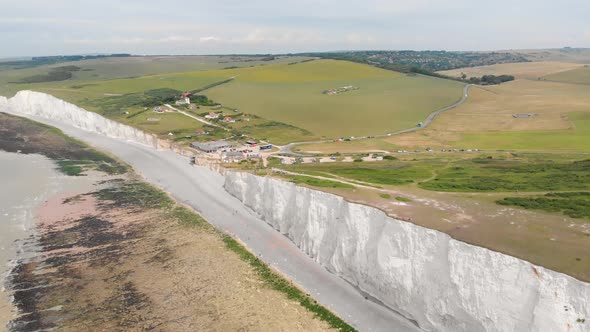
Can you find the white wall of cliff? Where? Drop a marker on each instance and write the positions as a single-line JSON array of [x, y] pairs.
[[441, 283], [46, 106]]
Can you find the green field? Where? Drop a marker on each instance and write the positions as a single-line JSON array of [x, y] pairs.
[[288, 98], [575, 139], [385, 101], [577, 76], [500, 172], [130, 67]]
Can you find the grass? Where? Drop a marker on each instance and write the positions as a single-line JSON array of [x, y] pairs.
[[403, 199], [385, 196], [500, 172], [384, 172], [144, 196], [530, 70], [576, 76], [117, 68], [288, 97], [572, 204], [299, 179], [292, 94], [485, 121], [489, 175]]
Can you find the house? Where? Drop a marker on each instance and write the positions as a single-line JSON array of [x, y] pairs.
[[228, 119], [200, 132], [186, 94], [212, 146], [251, 142], [183, 101], [212, 115], [233, 156]]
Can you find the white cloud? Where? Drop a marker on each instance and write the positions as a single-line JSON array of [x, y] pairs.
[[209, 39]]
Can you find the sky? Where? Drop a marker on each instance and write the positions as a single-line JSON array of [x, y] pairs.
[[55, 27]]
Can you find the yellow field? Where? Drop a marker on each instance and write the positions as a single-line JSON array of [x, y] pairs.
[[576, 76], [531, 70], [485, 121]]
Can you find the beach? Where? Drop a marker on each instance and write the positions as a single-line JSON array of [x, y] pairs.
[[28, 182]]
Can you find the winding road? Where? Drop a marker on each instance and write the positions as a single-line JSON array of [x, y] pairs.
[[286, 149]]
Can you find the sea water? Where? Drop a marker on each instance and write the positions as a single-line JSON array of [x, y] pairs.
[[26, 181]]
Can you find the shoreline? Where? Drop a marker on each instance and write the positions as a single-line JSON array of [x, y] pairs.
[[202, 189], [103, 239], [20, 222]]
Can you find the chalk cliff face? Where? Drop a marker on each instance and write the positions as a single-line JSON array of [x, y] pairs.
[[47, 106], [441, 283]]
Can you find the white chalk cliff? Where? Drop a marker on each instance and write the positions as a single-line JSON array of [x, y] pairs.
[[440, 283], [47, 106]]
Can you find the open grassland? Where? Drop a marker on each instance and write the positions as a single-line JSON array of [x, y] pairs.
[[293, 94], [576, 55], [130, 67], [577, 76], [475, 172], [561, 120], [530, 70], [288, 97]]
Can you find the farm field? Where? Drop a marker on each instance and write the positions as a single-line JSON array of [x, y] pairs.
[[574, 55], [289, 98], [385, 101], [132, 67], [530, 70], [560, 122], [577, 76]]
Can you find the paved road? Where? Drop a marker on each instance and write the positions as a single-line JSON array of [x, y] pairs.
[[286, 149], [202, 189]]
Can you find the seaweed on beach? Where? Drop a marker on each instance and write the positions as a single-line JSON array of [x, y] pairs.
[[72, 156]]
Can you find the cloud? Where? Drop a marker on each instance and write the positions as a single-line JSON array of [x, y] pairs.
[[208, 39]]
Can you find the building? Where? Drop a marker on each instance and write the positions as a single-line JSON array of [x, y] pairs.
[[212, 146], [233, 156], [212, 115], [183, 101], [228, 119], [266, 147], [200, 132], [251, 142], [192, 106]]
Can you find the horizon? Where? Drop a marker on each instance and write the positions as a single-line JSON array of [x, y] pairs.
[[37, 28], [22, 57]]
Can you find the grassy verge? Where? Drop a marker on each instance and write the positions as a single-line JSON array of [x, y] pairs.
[[500, 172], [299, 179], [482, 174], [572, 204], [144, 196]]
